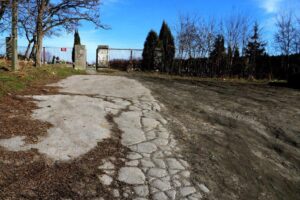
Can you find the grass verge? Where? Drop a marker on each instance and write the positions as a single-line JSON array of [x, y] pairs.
[[12, 82]]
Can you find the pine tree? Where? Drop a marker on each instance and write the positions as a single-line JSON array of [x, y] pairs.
[[254, 49], [237, 67], [150, 45], [218, 53], [76, 42], [236, 54], [168, 47], [229, 59]]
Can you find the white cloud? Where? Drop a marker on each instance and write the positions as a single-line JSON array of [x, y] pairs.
[[270, 6]]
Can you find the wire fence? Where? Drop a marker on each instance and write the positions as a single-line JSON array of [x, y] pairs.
[[57, 54], [49, 54], [117, 58], [124, 58]]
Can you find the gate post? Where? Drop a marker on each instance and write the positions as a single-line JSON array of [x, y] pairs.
[[80, 57], [102, 56]]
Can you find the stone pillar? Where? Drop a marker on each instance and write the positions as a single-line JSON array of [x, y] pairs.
[[80, 57], [102, 56]]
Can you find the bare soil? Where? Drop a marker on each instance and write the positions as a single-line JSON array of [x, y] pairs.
[[242, 139]]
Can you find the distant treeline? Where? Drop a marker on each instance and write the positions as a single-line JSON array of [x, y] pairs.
[[225, 49]]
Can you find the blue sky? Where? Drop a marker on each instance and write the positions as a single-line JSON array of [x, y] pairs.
[[131, 20]]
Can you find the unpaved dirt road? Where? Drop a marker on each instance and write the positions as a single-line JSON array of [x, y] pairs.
[[106, 139], [242, 140]]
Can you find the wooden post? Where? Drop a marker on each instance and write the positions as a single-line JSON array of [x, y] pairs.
[[14, 34], [131, 57]]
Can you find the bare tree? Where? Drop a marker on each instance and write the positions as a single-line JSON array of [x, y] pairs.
[[195, 38], [236, 33], [27, 25], [245, 33], [187, 34], [5, 16], [232, 30], [52, 16], [3, 8], [210, 33], [41, 7], [14, 34], [297, 37], [285, 36]]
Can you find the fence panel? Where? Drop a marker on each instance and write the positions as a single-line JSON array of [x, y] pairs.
[[124, 58], [57, 54], [61, 54]]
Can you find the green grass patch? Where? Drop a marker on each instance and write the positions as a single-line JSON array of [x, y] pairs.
[[12, 82]]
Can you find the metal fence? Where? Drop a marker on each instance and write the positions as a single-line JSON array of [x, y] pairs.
[[124, 58], [49, 54], [57, 54], [118, 58], [125, 54]]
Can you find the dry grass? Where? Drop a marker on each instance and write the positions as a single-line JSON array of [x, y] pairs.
[[192, 78], [12, 82]]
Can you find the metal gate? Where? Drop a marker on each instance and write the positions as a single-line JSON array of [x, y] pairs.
[[118, 58]]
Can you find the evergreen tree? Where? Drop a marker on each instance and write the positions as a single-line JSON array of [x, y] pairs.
[[254, 49], [76, 42], [237, 67], [217, 54], [168, 46], [236, 54], [150, 45], [229, 59]]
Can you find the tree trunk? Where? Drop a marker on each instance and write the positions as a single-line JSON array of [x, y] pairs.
[[15, 64], [39, 31], [39, 48], [33, 51], [27, 55]]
